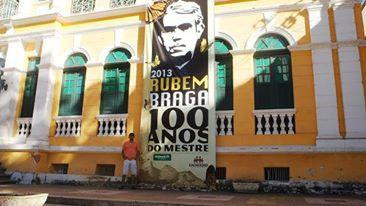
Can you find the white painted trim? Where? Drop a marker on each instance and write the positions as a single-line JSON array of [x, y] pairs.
[[327, 146], [68, 19], [82, 149], [76, 117], [37, 3], [72, 51], [139, 8], [242, 51], [287, 149], [112, 116], [272, 111], [93, 64], [29, 36], [228, 38], [50, 66], [50, 178], [282, 7], [13, 69], [103, 55], [105, 28], [16, 147], [250, 44]]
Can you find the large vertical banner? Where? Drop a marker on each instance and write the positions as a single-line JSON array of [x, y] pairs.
[[178, 140]]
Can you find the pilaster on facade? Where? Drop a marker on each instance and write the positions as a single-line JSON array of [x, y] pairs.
[[323, 69], [25, 8], [9, 99], [44, 93], [350, 71]]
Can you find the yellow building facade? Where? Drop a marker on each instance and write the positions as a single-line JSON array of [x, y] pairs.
[[320, 137]]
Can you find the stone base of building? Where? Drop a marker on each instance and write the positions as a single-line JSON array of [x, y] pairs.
[[291, 187]]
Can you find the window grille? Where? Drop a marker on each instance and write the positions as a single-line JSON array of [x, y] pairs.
[[8, 8], [81, 6], [105, 170], [277, 174], [221, 173], [119, 3], [60, 168]]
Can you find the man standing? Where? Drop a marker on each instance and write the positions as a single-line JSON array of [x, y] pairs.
[[130, 154]]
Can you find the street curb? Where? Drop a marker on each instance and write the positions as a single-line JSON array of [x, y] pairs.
[[104, 202]]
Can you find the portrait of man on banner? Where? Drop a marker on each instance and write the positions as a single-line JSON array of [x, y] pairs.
[[180, 39]]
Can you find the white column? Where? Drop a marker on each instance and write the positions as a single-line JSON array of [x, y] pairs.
[[350, 70], [324, 79], [14, 66], [44, 94]]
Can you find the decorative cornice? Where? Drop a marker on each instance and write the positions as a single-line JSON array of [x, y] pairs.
[[219, 150], [287, 149], [53, 15], [242, 51], [94, 64], [81, 149], [68, 19], [328, 45], [49, 66], [13, 69]]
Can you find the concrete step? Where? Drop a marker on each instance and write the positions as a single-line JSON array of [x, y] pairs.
[[98, 202]]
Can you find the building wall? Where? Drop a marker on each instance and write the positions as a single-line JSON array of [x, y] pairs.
[[241, 23], [315, 167]]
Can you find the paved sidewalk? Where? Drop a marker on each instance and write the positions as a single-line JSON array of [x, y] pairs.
[[90, 196]]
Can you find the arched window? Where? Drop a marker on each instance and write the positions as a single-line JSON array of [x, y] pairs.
[[81, 6], [30, 87], [273, 78], [115, 82], [8, 8], [224, 70], [73, 80]]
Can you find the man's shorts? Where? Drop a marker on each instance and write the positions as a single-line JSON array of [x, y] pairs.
[[129, 165]]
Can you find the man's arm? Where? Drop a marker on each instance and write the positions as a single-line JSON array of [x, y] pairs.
[[123, 152], [138, 152]]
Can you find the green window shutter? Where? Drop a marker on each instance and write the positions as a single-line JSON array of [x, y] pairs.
[[273, 79], [30, 88], [76, 60], [123, 90], [224, 78], [73, 81], [263, 84], [221, 86], [271, 42], [115, 89], [109, 91], [222, 47], [72, 93], [117, 56]]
